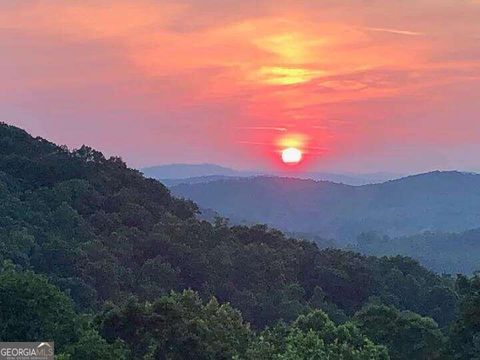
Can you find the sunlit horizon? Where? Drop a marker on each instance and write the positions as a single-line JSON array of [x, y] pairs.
[[372, 86]]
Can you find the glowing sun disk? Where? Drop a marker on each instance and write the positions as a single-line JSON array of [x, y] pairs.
[[291, 155]]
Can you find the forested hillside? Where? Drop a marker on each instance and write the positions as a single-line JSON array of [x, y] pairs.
[[437, 201], [100, 248], [448, 253]]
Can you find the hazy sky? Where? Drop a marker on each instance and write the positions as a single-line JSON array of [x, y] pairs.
[[360, 85]]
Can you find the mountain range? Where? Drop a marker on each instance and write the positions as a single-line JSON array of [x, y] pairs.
[[436, 201], [174, 174]]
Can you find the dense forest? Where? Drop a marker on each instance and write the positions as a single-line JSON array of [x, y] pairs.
[[109, 265], [444, 253]]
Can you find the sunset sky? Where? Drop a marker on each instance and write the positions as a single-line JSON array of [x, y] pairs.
[[361, 86]]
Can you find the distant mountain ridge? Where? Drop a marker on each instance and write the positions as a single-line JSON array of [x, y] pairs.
[[197, 180], [436, 201], [181, 171], [174, 174]]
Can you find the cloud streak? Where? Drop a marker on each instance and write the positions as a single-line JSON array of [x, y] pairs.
[[395, 31], [274, 128]]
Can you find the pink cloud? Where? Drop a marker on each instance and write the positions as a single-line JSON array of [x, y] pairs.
[[176, 80]]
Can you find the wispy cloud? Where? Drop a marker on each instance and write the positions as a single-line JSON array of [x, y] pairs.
[[252, 142], [395, 31], [273, 128]]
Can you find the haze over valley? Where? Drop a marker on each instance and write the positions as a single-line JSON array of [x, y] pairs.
[[198, 173], [423, 216]]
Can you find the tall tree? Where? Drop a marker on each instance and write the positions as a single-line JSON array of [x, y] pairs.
[[315, 336], [407, 336]]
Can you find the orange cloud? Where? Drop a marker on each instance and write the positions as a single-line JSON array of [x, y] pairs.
[[288, 65]]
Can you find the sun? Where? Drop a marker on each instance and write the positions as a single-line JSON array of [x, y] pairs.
[[291, 155]]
